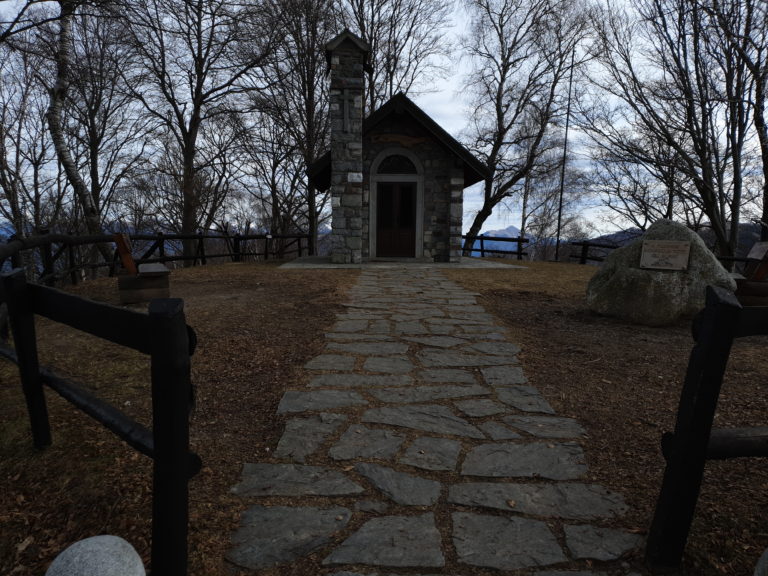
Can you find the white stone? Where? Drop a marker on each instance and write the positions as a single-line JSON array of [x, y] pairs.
[[656, 297], [98, 556], [355, 177]]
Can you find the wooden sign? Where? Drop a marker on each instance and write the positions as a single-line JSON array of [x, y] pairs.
[[665, 255]]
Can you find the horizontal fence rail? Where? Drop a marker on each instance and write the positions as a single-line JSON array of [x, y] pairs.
[[584, 256], [57, 257], [164, 336], [483, 250]]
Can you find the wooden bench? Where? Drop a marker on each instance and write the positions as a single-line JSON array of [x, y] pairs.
[[752, 288], [142, 282]]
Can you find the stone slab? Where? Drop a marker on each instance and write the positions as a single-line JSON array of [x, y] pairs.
[[388, 365], [331, 362], [355, 337], [304, 401], [438, 341], [504, 375], [350, 326], [604, 544], [562, 500], [303, 436], [412, 327], [497, 348], [426, 417], [269, 536], [504, 543], [525, 398], [361, 442], [359, 380], [480, 407], [402, 488], [446, 376], [398, 541], [264, 479], [496, 431], [413, 395], [431, 358], [432, 453], [369, 348], [546, 426], [556, 461]]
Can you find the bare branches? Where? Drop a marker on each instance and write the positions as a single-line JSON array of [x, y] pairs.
[[408, 40], [522, 52]]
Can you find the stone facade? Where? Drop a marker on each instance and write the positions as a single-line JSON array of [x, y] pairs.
[[443, 168], [441, 186], [347, 60]]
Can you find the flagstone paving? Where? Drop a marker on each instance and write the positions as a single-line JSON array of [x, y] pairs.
[[419, 414]]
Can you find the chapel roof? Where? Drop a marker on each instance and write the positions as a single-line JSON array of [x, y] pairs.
[[474, 171]]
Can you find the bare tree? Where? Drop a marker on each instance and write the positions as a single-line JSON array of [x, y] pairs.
[[408, 41], [522, 52], [58, 91], [678, 82], [32, 188], [201, 58], [298, 100], [107, 132], [743, 28]]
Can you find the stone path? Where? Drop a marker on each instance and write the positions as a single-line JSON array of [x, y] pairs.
[[442, 458]]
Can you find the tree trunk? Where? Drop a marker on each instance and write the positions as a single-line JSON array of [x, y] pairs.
[[57, 95], [474, 230]]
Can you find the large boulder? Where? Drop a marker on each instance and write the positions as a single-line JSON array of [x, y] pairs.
[[98, 556], [656, 297]]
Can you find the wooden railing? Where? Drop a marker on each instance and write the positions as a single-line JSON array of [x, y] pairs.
[[483, 250], [586, 246], [56, 256], [694, 440], [163, 335]]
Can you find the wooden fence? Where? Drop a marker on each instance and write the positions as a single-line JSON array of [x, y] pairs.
[[694, 441], [584, 256], [163, 335], [483, 250], [57, 256]]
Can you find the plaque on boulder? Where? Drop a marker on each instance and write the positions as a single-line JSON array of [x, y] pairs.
[[665, 255], [626, 289]]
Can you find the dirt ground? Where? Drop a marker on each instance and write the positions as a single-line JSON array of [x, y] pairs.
[[257, 325]]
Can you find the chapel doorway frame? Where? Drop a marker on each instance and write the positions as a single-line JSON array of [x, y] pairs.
[[375, 178]]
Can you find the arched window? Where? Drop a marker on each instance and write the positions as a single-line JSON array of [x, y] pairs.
[[397, 164]]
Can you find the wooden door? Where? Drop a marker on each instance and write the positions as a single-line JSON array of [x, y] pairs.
[[396, 219]]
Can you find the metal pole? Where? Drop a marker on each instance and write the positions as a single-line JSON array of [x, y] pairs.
[[565, 154]]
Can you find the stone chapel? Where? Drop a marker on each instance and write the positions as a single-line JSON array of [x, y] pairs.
[[396, 178]]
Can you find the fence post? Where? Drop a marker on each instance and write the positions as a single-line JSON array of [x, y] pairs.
[[47, 258], [482, 246], [201, 248], [584, 253], [71, 256], [236, 257], [266, 246], [171, 398], [16, 259], [300, 239], [161, 244], [519, 247], [716, 327], [22, 321]]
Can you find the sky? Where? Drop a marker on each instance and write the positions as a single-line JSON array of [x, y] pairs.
[[446, 106]]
